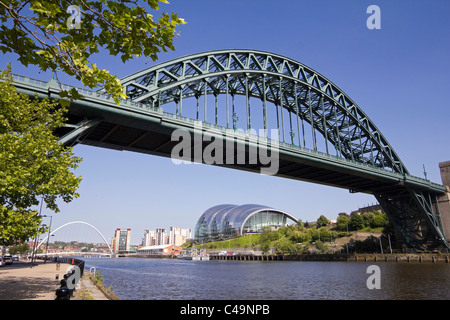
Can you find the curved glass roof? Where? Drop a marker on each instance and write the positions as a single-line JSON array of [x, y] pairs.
[[228, 220]]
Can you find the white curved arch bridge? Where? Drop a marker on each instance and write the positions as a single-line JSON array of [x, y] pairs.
[[78, 222]]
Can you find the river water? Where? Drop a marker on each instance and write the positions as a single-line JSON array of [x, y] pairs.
[[167, 279]]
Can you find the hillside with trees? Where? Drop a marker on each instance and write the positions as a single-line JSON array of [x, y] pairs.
[[321, 236]]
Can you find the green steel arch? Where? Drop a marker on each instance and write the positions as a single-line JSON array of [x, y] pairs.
[[303, 92]]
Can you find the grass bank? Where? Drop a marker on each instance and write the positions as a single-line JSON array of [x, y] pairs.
[[98, 282]]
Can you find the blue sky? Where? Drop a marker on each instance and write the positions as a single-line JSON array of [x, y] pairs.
[[399, 75]]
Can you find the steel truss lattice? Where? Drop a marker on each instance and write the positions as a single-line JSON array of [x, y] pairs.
[[308, 97]]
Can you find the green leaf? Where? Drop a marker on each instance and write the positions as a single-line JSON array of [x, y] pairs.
[[65, 103], [123, 29]]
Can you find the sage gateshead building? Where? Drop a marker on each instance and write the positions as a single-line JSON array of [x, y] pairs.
[[229, 221]]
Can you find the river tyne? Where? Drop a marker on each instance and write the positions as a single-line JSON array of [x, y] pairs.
[[173, 279]]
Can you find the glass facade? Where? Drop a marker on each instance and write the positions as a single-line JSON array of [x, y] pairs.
[[123, 241], [228, 221], [264, 219]]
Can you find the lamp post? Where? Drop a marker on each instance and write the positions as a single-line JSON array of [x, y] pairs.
[[33, 253], [48, 237]]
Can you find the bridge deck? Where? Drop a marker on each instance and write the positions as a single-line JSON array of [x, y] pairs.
[[140, 128]]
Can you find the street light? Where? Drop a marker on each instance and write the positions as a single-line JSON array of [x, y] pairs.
[[48, 237], [33, 254]]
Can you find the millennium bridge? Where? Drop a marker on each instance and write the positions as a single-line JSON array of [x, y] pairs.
[[319, 134]]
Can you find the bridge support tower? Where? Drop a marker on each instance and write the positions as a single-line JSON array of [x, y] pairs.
[[444, 200]]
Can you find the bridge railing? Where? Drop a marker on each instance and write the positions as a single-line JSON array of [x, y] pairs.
[[280, 143], [86, 92], [159, 110], [295, 147]]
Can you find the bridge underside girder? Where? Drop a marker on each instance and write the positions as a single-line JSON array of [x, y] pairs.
[[156, 140]]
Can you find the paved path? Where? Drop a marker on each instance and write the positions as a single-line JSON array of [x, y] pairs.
[[91, 289], [20, 281]]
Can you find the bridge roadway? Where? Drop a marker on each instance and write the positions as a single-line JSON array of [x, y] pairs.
[[410, 202], [98, 121]]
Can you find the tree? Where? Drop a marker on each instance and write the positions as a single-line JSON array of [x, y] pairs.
[[325, 235], [43, 33], [300, 225], [368, 218], [321, 246], [356, 222], [19, 249], [34, 167], [322, 221], [380, 220], [265, 246], [343, 214], [313, 234], [370, 244], [342, 222]]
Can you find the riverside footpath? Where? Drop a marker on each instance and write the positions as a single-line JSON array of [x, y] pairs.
[[21, 281]]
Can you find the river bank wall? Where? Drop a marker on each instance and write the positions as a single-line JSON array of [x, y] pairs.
[[407, 257]]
